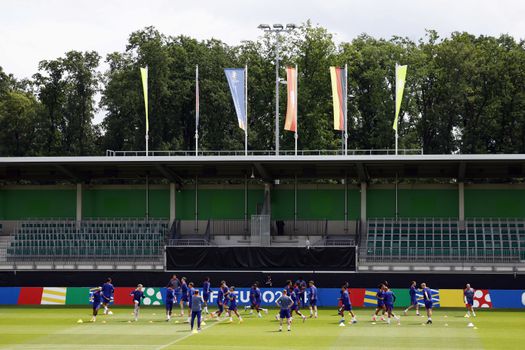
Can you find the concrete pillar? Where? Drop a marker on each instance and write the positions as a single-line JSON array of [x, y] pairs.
[[461, 189], [172, 203], [79, 202], [363, 202]]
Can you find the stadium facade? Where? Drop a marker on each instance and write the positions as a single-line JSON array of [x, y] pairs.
[[70, 220]]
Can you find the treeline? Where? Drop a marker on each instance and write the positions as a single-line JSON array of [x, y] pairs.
[[464, 94]]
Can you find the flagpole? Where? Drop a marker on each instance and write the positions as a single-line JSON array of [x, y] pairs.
[[346, 109], [197, 111], [395, 91], [147, 121], [246, 110], [296, 135]]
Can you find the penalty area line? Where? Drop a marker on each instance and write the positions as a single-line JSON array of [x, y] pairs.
[[184, 337]]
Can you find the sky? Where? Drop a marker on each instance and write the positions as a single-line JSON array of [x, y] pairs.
[[35, 30]]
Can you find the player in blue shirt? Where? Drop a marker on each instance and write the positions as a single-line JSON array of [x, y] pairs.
[[138, 295], [346, 305], [96, 298], [427, 299], [183, 295], [469, 300], [413, 298], [302, 290], [380, 303], [389, 299], [312, 299], [171, 299], [107, 295], [255, 300], [232, 297], [191, 291], [196, 310], [284, 302], [294, 295], [221, 297], [206, 292]]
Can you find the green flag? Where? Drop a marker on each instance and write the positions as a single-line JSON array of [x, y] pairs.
[[401, 74], [144, 74]]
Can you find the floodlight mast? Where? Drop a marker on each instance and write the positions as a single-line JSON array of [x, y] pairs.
[[277, 29]]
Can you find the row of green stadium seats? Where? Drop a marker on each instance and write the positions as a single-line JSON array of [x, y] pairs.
[[445, 231], [444, 252], [65, 251], [76, 235], [389, 236], [467, 227], [430, 244]]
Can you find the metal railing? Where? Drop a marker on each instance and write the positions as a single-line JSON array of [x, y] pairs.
[[215, 153]]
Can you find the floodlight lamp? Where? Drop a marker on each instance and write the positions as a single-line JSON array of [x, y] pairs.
[[264, 26], [278, 26], [291, 26]]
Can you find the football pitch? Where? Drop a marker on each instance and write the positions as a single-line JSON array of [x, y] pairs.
[[59, 328]]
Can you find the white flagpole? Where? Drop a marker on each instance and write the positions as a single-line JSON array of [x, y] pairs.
[[346, 109], [147, 121], [246, 110], [296, 135], [395, 102], [197, 109]]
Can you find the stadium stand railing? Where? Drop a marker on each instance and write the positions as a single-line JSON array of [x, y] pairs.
[[218, 153], [238, 231], [483, 240], [111, 239]]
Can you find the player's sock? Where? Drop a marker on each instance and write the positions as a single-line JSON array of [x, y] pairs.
[[473, 313], [259, 315]]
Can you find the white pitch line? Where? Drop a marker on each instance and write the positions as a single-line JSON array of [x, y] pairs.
[[184, 337]]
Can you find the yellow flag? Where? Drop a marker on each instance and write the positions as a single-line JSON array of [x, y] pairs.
[[401, 74], [144, 75]]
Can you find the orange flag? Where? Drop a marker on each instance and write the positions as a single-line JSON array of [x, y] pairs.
[[291, 111]]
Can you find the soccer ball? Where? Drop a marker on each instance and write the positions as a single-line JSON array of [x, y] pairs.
[[110, 312]]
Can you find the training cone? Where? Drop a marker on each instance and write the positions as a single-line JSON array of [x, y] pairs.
[[373, 323], [203, 323], [80, 321], [129, 321], [103, 321], [194, 331], [470, 324], [475, 328], [150, 321], [341, 324], [446, 324]]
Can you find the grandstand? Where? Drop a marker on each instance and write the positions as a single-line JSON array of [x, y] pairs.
[[404, 213]]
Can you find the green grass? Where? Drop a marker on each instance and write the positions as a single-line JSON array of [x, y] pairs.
[[57, 328]]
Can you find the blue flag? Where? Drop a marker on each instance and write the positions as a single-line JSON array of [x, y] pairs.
[[236, 77]]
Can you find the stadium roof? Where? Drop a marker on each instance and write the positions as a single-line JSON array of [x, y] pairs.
[[178, 168]]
